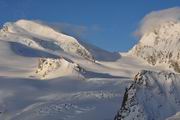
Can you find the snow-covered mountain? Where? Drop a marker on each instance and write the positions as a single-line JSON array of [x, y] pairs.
[[46, 74], [160, 45], [152, 96], [37, 35]]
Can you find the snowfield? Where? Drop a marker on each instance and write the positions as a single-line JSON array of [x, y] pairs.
[[47, 75]]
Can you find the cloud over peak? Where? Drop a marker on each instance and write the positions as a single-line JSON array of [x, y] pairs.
[[153, 19]]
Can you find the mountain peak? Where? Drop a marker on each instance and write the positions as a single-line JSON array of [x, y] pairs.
[[34, 31], [161, 45], [167, 30]]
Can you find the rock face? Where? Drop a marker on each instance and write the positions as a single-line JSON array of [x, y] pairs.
[[161, 45], [47, 65], [174, 117], [152, 96], [59, 66]]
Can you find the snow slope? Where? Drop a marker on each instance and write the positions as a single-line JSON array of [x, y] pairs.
[[62, 98]]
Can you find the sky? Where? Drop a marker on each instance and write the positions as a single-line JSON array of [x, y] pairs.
[[108, 24]]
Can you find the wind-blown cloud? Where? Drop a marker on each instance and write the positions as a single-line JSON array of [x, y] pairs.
[[78, 31], [75, 30], [151, 20]]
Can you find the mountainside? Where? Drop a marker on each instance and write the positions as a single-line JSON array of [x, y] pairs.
[[152, 96], [46, 74], [37, 35], [161, 45]]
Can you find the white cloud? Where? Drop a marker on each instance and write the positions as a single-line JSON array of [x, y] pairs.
[[75, 30], [78, 31], [151, 20]]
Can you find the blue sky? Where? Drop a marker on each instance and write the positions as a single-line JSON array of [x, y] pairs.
[[108, 24]]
